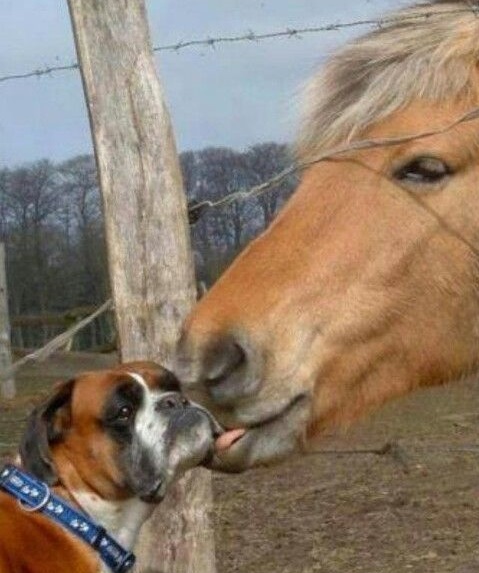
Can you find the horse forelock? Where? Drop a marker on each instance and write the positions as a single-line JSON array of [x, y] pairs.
[[428, 51]]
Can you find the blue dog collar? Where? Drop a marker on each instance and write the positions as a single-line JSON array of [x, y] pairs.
[[35, 496]]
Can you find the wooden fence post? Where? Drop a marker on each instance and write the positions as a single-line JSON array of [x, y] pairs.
[[7, 385], [148, 240]]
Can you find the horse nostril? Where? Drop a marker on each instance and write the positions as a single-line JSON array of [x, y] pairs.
[[222, 367], [231, 372], [224, 361]]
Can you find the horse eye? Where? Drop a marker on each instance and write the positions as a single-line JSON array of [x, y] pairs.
[[124, 413], [428, 170]]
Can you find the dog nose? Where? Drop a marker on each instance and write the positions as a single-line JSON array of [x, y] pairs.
[[172, 401]]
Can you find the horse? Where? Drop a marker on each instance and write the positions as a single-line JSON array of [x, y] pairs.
[[365, 287]]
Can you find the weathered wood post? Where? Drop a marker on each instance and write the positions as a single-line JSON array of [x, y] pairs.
[[7, 384], [149, 250]]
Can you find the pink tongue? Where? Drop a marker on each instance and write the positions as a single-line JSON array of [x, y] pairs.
[[228, 438]]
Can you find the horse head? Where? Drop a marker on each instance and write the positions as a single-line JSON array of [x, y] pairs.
[[366, 285]]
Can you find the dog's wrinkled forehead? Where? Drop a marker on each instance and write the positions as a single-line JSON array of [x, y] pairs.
[[158, 386], [151, 375], [141, 381], [144, 382]]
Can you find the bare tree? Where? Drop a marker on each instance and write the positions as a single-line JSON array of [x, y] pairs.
[[82, 206], [31, 199], [264, 161]]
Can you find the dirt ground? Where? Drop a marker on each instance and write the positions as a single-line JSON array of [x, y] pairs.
[[413, 509]]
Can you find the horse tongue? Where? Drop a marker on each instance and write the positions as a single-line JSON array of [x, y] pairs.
[[228, 438]]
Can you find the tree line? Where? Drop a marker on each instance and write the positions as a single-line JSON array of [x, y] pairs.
[[52, 225]]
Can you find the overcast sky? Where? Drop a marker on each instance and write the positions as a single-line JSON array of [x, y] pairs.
[[233, 95]]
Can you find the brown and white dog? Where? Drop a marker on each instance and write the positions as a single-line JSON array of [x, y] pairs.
[[109, 442]]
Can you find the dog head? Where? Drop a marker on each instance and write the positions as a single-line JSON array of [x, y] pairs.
[[124, 432]]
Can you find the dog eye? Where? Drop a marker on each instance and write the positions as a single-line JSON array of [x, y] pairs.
[[124, 413], [423, 170]]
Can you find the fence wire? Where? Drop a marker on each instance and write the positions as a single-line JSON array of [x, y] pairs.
[[251, 36], [56, 343], [198, 209]]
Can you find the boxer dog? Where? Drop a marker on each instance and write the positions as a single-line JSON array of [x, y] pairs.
[[107, 443]]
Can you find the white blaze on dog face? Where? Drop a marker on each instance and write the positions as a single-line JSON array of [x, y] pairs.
[[160, 434]]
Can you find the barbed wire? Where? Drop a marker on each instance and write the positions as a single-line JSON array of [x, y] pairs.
[[198, 209], [358, 145], [251, 36], [39, 72]]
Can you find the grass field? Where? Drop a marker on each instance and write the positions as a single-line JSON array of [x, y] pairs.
[[414, 512]]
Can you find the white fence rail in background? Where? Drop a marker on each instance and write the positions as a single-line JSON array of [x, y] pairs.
[[55, 344]]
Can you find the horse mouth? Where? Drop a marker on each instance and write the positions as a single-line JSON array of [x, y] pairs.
[[263, 442]]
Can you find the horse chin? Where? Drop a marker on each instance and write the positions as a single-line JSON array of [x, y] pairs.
[[268, 442]]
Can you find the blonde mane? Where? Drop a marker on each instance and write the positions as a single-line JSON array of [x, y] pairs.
[[428, 50]]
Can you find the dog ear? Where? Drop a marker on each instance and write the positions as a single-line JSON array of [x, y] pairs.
[[46, 425]]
